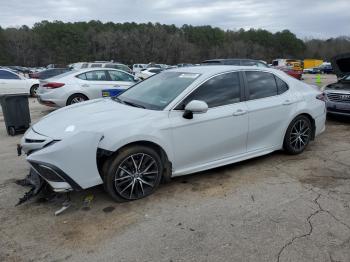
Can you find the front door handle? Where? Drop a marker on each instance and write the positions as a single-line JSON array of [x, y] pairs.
[[287, 102], [240, 112], [85, 85]]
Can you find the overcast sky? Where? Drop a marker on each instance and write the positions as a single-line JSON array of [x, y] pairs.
[[306, 18]]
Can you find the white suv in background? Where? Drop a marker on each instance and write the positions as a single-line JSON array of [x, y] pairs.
[[78, 86]]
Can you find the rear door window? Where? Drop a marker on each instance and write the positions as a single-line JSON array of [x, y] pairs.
[[260, 84], [94, 76], [281, 85]]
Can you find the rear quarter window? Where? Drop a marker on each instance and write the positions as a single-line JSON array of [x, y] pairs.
[[281, 85]]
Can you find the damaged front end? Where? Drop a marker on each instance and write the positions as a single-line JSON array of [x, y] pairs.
[[65, 165], [36, 184]]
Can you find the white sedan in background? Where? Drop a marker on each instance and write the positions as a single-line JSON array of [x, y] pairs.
[[175, 123], [146, 73], [78, 86], [11, 82]]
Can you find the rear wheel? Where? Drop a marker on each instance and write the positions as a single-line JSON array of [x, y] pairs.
[[33, 90], [298, 135], [134, 173], [76, 98]]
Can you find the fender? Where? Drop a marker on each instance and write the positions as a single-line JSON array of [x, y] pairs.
[[75, 156], [114, 146]]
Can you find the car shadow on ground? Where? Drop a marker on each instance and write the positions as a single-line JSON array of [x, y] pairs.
[[338, 119]]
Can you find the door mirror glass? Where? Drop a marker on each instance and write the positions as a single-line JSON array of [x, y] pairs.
[[195, 107]]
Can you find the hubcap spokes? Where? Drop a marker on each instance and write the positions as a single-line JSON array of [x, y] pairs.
[[136, 176], [300, 134], [77, 100]]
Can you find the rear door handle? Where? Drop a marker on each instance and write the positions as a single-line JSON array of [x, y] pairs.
[[240, 112], [85, 85], [287, 102]]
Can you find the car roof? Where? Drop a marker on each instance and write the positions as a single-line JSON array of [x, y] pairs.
[[230, 59], [96, 69], [216, 69], [8, 70]]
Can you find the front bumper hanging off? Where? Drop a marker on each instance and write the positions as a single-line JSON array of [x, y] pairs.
[[67, 164]]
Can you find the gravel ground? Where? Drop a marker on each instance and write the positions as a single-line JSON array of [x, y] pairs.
[[272, 208]]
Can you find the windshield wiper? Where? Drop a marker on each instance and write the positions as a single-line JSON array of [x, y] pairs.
[[118, 100], [133, 104]]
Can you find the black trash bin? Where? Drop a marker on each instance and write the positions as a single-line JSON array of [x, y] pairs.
[[15, 108]]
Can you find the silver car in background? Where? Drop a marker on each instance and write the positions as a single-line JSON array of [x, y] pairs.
[[78, 86], [338, 97]]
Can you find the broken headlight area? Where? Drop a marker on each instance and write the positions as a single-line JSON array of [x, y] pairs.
[[42, 190], [37, 185]]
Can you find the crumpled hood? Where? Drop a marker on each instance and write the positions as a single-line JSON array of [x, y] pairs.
[[94, 115]]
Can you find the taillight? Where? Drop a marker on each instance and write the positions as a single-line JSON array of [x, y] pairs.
[[53, 85], [321, 97]]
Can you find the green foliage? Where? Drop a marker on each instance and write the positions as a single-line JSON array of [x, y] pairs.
[[63, 43]]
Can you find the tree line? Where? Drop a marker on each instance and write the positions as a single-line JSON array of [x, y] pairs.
[[63, 43]]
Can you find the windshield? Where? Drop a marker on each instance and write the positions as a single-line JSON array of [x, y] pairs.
[[158, 91]]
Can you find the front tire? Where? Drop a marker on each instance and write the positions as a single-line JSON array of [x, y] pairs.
[[298, 135], [134, 173]]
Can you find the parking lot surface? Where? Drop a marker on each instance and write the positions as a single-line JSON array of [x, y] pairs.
[[273, 208]]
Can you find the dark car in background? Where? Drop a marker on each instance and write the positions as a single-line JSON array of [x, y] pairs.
[[235, 61], [326, 69], [45, 74]]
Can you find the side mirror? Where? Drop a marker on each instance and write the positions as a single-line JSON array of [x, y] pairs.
[[136, 79], [195, 107]]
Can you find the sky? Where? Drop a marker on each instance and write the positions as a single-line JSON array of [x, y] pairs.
[[306, 18]]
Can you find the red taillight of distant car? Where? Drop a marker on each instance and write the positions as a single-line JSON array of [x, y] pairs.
[[321, 97], [53, 85]]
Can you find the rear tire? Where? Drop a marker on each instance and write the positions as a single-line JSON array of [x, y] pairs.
[[33, 90], [76, 98], [298, 135], [134, 173]]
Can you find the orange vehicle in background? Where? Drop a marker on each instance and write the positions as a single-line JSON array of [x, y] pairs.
[[292, 67]]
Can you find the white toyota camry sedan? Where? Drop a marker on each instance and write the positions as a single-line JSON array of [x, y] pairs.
[[79, 86], [175, 123]]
